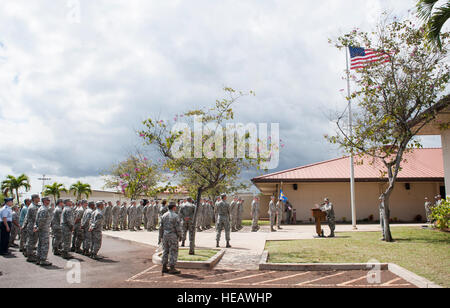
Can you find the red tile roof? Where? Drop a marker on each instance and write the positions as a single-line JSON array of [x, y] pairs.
[[420, 165]]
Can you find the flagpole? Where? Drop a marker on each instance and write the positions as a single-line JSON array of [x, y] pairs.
[[350, 125]]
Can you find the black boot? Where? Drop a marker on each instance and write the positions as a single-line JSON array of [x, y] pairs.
[[165, 269], [173, 271], [217, 244], [228, 244], [182, 244]]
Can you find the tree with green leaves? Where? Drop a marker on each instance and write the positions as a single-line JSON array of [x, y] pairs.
[[199, 163], [13, 184], [135, 176], [54, 190], [434, 17], [81, 189], [395, 100]]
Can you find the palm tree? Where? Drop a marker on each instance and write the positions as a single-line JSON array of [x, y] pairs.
[[12, 184], [434, 18], [79, 189], [54, 190]]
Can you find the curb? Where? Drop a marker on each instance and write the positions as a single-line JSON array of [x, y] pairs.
[[264, 265], [392, 267], [411, 277], [156, 259]]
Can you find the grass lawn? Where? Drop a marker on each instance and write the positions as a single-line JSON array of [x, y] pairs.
[[424, 252], [200, 254], [248, 223]]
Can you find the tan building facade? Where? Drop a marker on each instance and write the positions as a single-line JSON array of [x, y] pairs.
[[421, 176]]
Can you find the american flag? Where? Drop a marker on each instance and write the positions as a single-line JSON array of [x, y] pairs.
[[361, 57]]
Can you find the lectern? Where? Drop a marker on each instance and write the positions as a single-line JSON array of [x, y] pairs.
[[319, 216]]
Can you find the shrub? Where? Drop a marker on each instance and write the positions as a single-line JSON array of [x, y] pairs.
[[441, 214]]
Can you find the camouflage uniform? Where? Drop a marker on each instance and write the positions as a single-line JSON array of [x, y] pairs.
[[123, 217], [255, 215], [428, 211], [223, 220], [42, 224], [144, 216], [32, 237], [240, 212], [155, 215], [139, 214], [56, 230], [150, 220], [131, 217], [233, 215], [107, 215], [329, 209], [85, 224], [67, 224], [96, 226], [23, 231], [187, 211], [272, 214], [279, 213], [115, 216], [78, 235], [170, 232], [14, 228]]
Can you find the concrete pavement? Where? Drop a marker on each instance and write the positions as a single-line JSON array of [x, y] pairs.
[[247, 247]]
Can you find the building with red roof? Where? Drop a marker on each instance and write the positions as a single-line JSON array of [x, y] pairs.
[[422, 175]]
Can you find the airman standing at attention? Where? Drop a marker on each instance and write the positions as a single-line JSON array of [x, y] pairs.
[[223, 221], [67, 226], [96, 227], [272, 213], [170, 233], [56, 228], [42, 228]]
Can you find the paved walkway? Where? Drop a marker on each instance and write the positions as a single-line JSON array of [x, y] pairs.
[[247, 246]]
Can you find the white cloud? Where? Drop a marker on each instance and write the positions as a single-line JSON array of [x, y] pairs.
[[72, 94]]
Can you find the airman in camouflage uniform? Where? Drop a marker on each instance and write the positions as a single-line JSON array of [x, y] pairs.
[[186, 214], [144, 213], [115, 216], [255, 214], [123, 216], [280, 207], [107, 212], [23, 231], [96, 226], [327, 207], [223, 220], [15, 226], [164, 209], [170, 233], [156, 209], [132, 216], [42, 228], [272, 213], [56, 228], [240, 213], [150, 219], [77, 238], [234, 213], [67, 226], [85, 224], [139, 214], [32, 237]]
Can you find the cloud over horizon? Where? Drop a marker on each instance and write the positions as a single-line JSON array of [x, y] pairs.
[[72, 94]]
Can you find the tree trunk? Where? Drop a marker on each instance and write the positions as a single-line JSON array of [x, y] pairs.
[[197, 202], [386, 214], [17, 195]]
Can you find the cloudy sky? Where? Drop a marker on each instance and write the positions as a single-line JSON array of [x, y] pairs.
[[78, 77]]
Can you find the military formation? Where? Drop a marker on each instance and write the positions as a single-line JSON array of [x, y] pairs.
[[76, 227], [71, 227]]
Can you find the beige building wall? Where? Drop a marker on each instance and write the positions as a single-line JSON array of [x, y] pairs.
[[405, 204]]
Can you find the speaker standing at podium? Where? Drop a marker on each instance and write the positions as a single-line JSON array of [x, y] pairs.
[[327, 207]]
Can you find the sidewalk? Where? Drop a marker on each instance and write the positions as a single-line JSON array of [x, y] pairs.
[[247, 246]]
